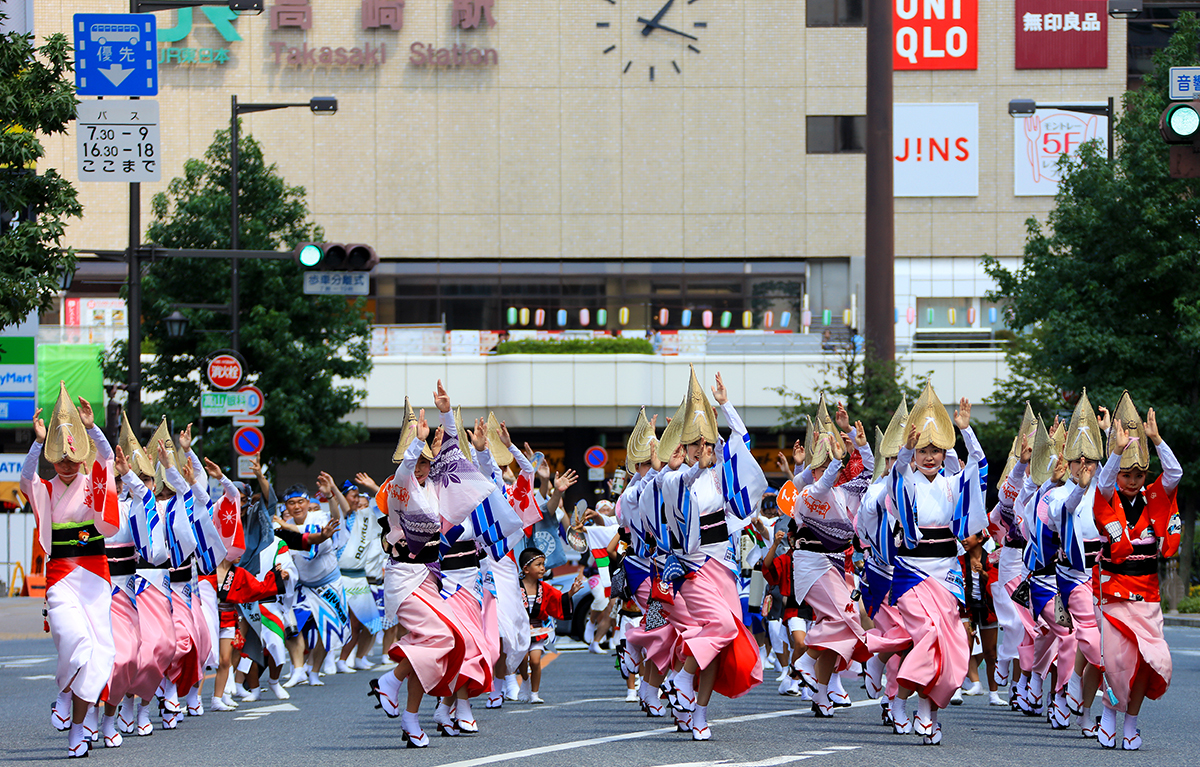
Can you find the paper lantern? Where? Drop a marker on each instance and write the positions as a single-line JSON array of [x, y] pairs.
[[562, 318], [911, 314], [511, 315], [992, 315], [663, 316], [846, 317], [623, 315], [827, 317], [747, 319], [585, 316], [686, 319], [706, 318], [602, 317], [952, 315], [539, 317], [524, 315], [929, 316], [971, 316], [768, 319]]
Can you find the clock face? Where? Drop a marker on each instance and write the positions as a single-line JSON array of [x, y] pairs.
[[654, 38]]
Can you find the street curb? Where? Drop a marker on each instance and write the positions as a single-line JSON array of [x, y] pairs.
[[1191, 621]]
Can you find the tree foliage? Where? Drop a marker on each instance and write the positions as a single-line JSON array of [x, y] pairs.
[[308, 354], [870, 389], [37, 96], [1110, 287]]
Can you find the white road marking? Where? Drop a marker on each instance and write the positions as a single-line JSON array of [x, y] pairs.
[[22, 662], [546, 706], [39, 676], [259, 713], [574, 744]]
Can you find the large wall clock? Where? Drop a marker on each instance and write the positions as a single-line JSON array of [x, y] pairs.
[[654, 38]]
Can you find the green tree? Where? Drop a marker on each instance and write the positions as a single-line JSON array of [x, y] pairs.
[[37, 96], [308, 354], [1111, 285], [870, 389]]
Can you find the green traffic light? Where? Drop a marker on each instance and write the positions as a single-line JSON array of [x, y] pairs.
[[1184, 121], [310, 256]]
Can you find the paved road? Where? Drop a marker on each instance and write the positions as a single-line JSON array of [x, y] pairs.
[[585, 722]]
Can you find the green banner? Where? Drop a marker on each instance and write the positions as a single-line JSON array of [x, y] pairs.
[[79, 366], [16, 350]]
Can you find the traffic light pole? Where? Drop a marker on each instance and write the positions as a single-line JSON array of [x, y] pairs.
[[234, 336]]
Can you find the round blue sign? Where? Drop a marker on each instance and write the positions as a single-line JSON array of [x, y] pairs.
[[595, 456]]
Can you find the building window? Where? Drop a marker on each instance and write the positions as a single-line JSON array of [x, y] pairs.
[[835, 13], [836, 134]]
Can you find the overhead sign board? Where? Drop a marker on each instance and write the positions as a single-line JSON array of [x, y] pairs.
[[1185, 83], [337, 284], [18, 373], [1061, 34], [116, 54], [936, 150], [1039, 141], [118, 141], [935, 34]]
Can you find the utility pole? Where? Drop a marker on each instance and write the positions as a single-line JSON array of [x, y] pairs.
[[880, 241]]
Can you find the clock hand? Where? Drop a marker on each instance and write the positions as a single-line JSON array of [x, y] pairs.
[[655, 25], [657, 18]]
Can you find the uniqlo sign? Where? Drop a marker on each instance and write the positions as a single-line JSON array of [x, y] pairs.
[[935, 34], [1062, 34]]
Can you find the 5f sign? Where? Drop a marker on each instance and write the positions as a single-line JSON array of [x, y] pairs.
[[935, 34]]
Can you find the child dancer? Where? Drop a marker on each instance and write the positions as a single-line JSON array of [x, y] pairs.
[[543, 603]]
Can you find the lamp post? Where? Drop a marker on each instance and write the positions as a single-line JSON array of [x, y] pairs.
[[134, 296], [1028, 108], [320, 105]]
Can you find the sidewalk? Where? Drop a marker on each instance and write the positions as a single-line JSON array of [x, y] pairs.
[[21, 618], [1191, 620]]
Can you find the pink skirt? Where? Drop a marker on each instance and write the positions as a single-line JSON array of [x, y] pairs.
[[1016, 623], [1082, 606], [835, 625], [476, 671], [715, 632], [127, 640], [659, 646], [184, 670], [491, 629], [434, 644], [1055, 646], [937, 663], [889, 636], [157, 649], [1134, 647], [203, 636]]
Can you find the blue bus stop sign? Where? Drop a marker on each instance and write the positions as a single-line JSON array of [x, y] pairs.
[[116, 54]]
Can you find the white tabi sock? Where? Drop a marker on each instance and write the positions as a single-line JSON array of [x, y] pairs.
[[822, 696], [411, 724], [589, 632], [835, 685], [1130, 725], [1075, 686], [808, 663], [443, 711], [700, 717], [1108, 719], [462, 711], [899, 709], [683, 682], [1035, 686], [925, 709]]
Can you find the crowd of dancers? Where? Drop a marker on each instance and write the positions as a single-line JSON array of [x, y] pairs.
[[880, 563]]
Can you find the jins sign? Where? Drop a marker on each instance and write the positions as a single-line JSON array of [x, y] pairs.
[[935, 150], [935, 34]]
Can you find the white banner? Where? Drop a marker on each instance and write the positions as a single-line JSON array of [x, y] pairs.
[[936, 150], [1040, 140]]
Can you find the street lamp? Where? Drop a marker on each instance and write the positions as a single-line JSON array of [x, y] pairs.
[[177, 324], [319, 105], [1028, 108]]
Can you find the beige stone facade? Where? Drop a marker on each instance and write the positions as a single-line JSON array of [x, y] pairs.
[[557, 151]]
